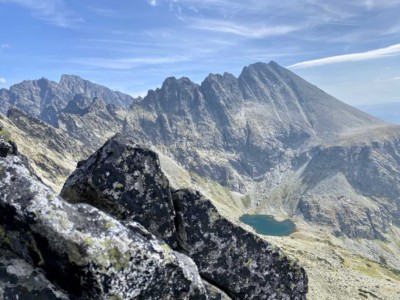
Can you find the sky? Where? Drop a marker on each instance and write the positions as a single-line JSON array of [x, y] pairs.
[[350, 49]]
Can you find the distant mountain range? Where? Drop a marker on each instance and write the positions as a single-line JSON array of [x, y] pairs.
[[44, 98], [268, 134]]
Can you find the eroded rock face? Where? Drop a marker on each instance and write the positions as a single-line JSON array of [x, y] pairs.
[[240, 262], [83, 250], [125, 181], [128, 183]]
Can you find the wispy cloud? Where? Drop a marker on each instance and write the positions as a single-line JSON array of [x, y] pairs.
[[54, 12], [4, 46], [249, 31], [152, 2], [105, 12], [393, 50], [3, 80], [128, 63]]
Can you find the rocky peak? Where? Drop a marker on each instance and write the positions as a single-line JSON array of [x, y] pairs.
[[66, 79], [176, 96], [222, 93], [77, 85]]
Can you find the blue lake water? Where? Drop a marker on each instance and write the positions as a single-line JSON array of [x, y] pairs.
[[267, 225]]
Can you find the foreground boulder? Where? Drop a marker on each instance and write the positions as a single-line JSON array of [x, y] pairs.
[[127, 182], [84, 251]]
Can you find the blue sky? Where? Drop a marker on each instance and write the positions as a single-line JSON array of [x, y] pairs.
[[350, 49]]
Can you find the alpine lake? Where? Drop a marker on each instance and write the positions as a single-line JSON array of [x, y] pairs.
[[267, 225]]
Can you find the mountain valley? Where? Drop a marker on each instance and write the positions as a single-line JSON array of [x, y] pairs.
[[266, 142]]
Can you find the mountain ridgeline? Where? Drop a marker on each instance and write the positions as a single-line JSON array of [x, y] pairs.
[[280, 142], [44, 98]]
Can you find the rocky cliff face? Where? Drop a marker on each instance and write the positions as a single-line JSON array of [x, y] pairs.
[[369, 172], [238, 129]]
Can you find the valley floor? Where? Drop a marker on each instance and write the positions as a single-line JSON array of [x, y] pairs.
[[336, 273]]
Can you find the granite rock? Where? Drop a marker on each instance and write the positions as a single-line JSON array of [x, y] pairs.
[[241, 263], [125, 181], [84, 251]]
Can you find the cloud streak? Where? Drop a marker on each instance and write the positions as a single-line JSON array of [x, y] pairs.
[[249, 31], [3, 80], [54, 12], [393, 50]]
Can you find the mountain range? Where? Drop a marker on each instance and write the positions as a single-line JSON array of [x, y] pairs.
[[266, 142]]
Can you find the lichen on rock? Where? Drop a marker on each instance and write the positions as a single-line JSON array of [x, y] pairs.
[[235, 259], [83, 250], [125, 181]]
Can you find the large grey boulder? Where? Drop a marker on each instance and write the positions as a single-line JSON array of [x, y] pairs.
[[83, 250], [125, 181]]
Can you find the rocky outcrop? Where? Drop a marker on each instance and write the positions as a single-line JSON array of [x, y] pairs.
[[127, 182], [236, 260], [84, 251]]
